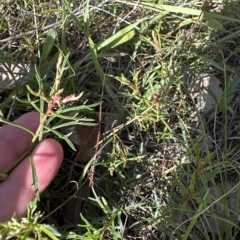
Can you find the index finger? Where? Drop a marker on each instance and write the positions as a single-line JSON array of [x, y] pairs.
[[14, 141]]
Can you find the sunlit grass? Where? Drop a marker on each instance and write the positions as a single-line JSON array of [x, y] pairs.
[[129, 62]]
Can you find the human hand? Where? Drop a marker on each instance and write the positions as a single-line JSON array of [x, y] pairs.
[[17, 190]]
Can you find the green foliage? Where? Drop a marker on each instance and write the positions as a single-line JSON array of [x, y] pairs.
[[134, 61]]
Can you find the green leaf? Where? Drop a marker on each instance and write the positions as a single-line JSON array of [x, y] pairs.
[[94, 56], [48, 44], [219, 65], [118, 35], [193, 219], [122, 39], [65, 62], [177, 9], [95, 48], [232, 86], [34, 178], [186, 22], [214, 23], [50, 231], [61, 136]]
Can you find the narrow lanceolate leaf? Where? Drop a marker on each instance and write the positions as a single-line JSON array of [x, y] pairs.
[[94, 56], [178, 9], [62, 136], [86, 18], [122, 39], [215, 24], [34, 178], [50, 231], [119, 38], [48, 44], [116, 37]]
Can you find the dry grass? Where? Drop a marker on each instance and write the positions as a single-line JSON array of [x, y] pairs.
[[149, 175]]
